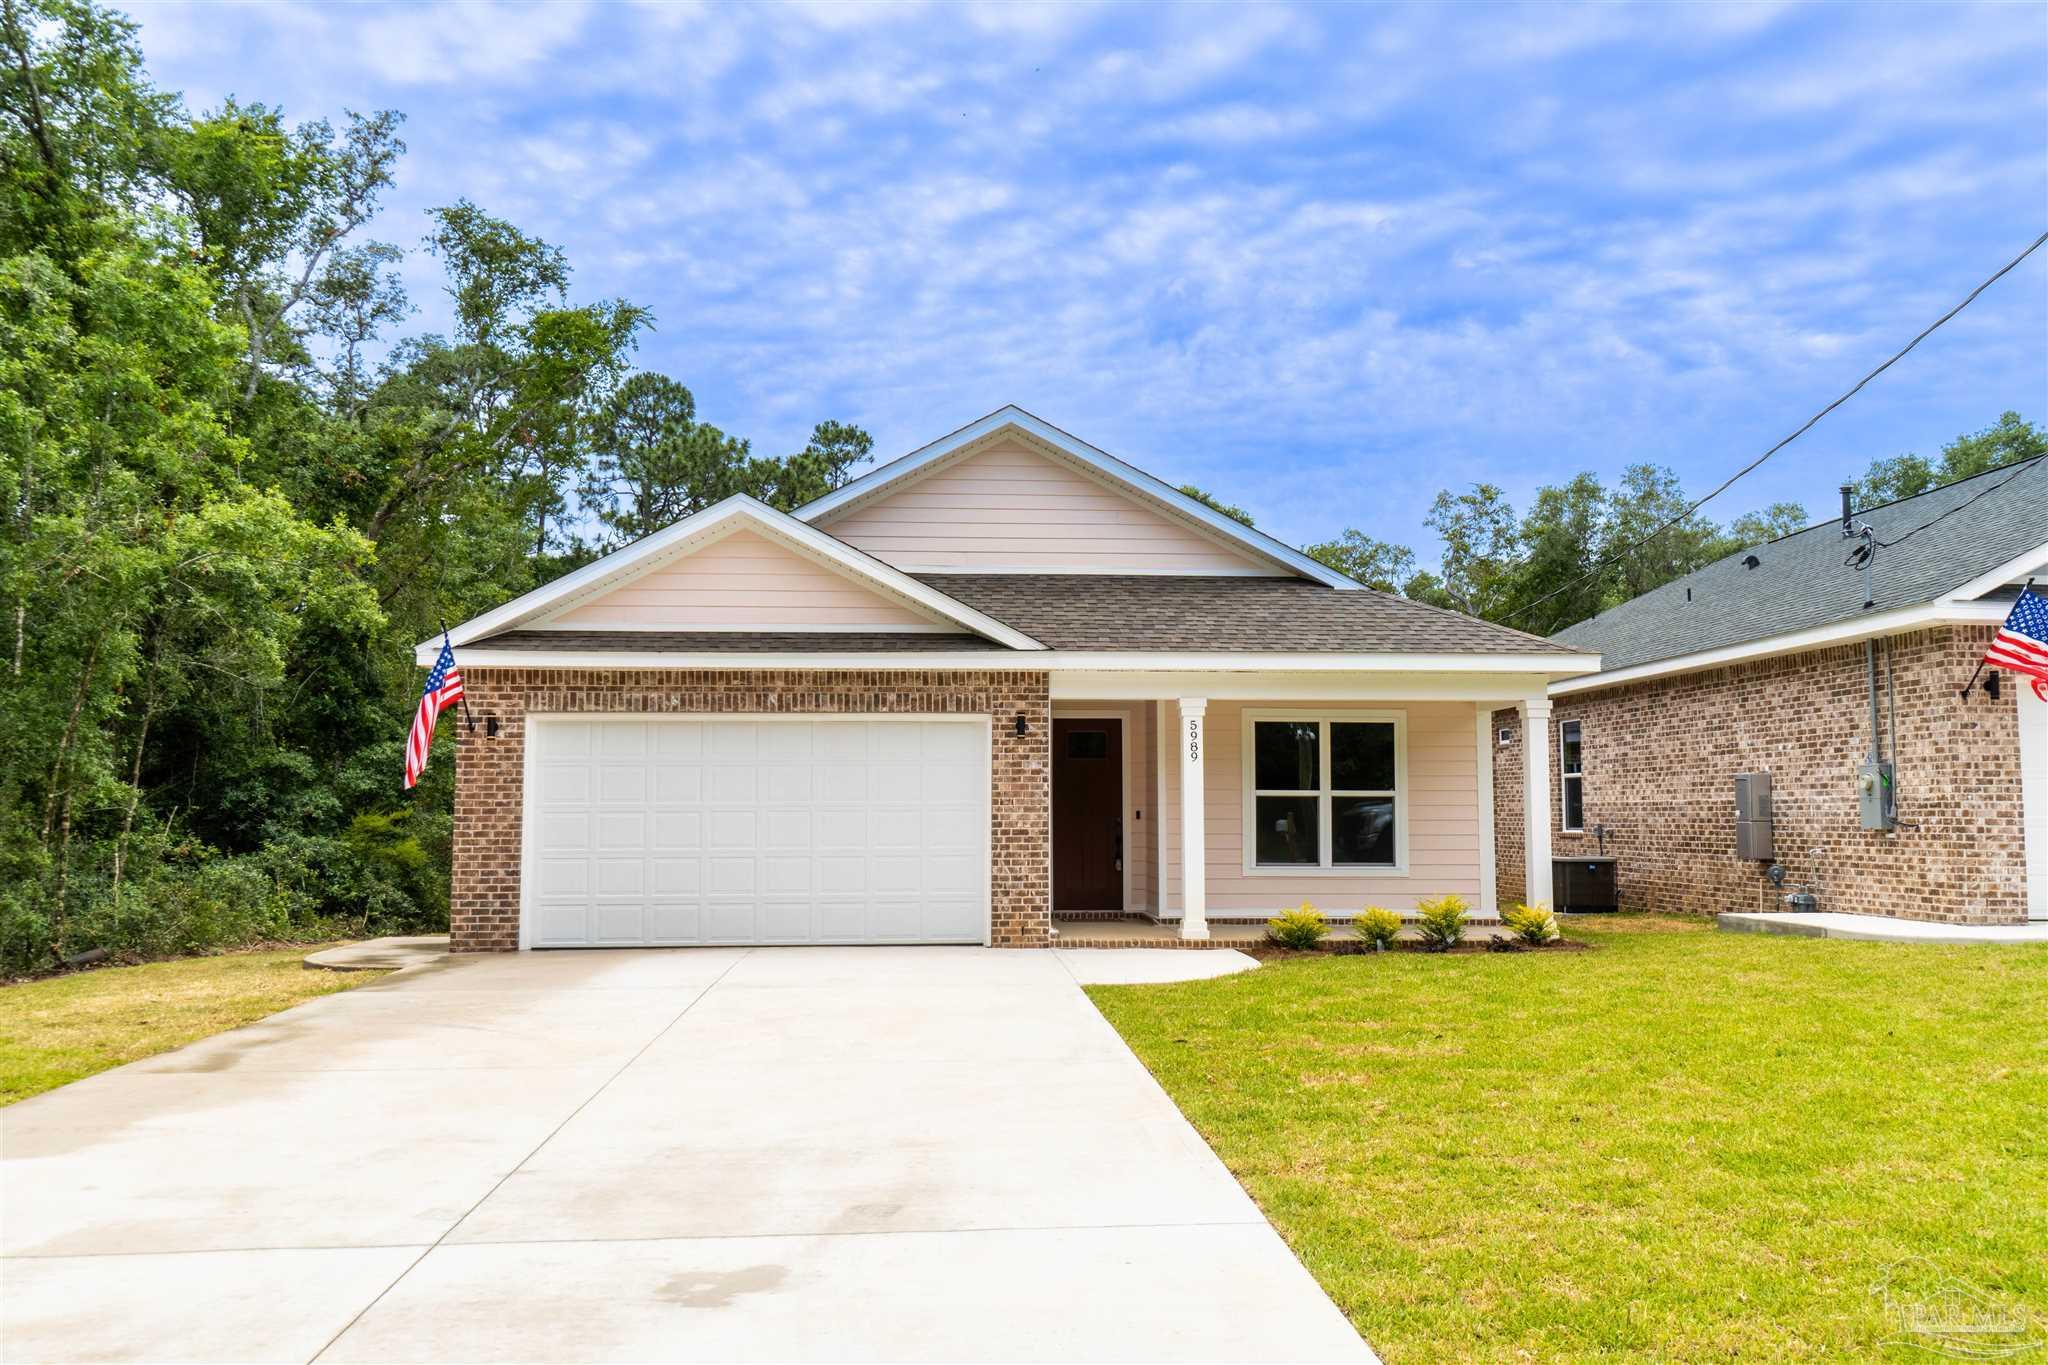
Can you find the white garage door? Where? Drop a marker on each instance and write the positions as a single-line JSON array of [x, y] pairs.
[[756, 831]]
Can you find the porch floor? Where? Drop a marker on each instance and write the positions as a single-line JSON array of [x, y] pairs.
[[1835, 924]]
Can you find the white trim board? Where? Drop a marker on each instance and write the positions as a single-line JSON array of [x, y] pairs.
[[1105, 467], [1837, 633], [1534, 666]]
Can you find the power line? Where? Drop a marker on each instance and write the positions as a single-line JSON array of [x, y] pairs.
[[1988, 489], [1727, 483]]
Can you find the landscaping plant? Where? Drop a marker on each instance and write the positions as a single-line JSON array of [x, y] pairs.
[[1377, 926], [1533, 924], [1442, 922], [1301, 928]]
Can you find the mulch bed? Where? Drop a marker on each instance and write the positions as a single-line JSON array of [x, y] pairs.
[[1272, 952]]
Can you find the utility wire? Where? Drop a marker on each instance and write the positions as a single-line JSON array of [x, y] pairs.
[[1686, 515], [1988, 489]]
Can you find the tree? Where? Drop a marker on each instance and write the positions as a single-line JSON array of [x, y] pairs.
[[1378, 564], [1770, 523], [2008, 440], [1559, 579], [1210, 502], [1481, 548]]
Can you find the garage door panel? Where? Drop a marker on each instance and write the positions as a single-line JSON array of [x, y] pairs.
[[675, 922], [674, 876], [618, 922], [675, 830], [729, 922], [786, 830], [558, 922], [678, 785], [738, 831]]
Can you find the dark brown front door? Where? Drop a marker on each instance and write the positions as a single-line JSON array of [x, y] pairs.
[[1087, 815]]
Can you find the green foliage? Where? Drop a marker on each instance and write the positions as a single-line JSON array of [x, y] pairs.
[[234, 498], [1376, 563], [2008, 440], [1211, 502], [1535, 924], [1377, 926], [1302, 927], [1441, 921]]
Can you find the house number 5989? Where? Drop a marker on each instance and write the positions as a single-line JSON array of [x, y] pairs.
[[1194, 741]]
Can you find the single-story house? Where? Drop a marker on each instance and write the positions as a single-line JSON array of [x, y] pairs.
[[1831, 664], [1003, 678]]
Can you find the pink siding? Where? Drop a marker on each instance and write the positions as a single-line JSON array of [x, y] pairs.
[[1010, 507], [742, 579], [1442, 809]]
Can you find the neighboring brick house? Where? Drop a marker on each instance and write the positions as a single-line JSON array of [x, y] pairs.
[[1004, 677], [1765, 662]]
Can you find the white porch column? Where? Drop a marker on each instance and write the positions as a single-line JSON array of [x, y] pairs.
[[1489, 892], [1194, 890], [1536, 799]]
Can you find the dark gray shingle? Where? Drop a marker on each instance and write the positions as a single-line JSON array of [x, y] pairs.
[[1801, 581]]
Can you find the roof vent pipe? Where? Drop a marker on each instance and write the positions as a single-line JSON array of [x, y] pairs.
[[1848, 518]]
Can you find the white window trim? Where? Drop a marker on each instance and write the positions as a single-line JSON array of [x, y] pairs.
[[1565, 777], [1248, 782]]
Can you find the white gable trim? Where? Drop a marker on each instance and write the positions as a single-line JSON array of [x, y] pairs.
[[2006, 574], [1104, 466], [712, 523]]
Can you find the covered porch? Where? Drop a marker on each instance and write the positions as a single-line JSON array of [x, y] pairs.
[[1192, 807]]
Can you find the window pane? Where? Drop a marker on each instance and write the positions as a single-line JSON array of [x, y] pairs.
[[1285, 755], [1568, 746], [1574, 803], [1362, 757], [1287, 830], [1362, 829], [1087, 744]]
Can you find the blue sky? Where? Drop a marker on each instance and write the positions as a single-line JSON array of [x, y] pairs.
[[1323, 261]]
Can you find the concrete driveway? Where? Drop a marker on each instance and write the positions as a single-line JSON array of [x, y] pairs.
[[785, 1153]]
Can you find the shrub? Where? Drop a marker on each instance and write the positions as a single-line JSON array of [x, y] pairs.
[[1377, 927], [1442, 922], [1533, 924], [1301, 928]]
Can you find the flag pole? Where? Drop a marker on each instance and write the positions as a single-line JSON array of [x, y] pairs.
[[469, 719], [1980, 663]]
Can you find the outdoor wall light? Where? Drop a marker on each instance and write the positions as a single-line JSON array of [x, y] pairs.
[[1022, 728], [490, 727]]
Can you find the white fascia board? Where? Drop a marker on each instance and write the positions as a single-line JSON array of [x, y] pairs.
[[1838, 633], [1492, 690], [1040, 661], [1102, 462], [739, 508], [2012, 571]]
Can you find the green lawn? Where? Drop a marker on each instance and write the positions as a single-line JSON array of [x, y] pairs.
[[54, 1032], [1686, 1145]]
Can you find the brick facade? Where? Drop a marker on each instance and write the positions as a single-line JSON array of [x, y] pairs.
[[1660, 758], [484, 899]]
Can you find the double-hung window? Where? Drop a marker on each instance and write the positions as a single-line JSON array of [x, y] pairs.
[[1571, 772], [1323, 791]]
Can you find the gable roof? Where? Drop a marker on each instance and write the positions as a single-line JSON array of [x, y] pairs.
[[1933, 548], [698, 528], [1129, 479]]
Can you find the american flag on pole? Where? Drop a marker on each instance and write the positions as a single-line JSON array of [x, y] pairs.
[[444, 689], [2022, 642]]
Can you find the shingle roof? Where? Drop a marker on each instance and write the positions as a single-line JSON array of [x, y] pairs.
[[737, 642], [1801, 580], [1235, 615]]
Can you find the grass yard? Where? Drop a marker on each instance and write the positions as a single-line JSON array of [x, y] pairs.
[[1687, 1145], [56, 1031]]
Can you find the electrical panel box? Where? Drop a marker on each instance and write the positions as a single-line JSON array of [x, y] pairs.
[[1874, 795], [1754, 833]]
